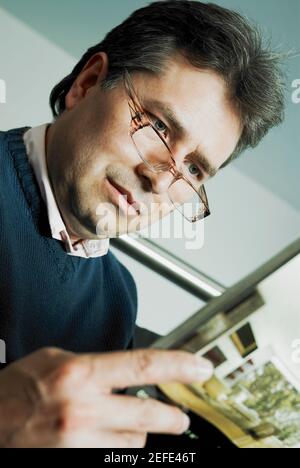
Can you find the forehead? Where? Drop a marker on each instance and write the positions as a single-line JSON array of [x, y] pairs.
[[199, 100]]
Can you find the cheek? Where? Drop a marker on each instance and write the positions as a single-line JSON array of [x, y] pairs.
[[113, 123], [160, 209]]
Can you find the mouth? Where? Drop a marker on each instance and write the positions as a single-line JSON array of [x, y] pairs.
[[122, 198]]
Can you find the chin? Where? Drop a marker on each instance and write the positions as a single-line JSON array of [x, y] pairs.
[[110, 228], [116, 227]]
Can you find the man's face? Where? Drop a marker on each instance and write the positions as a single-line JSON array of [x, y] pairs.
[[90, 152]]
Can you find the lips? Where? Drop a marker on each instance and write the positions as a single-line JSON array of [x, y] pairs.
[[123, 191], [127, 201]]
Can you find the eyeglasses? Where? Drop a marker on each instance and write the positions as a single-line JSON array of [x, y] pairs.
[[185, 192]]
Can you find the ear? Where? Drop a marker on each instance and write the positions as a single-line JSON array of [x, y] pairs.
[[94, 71]]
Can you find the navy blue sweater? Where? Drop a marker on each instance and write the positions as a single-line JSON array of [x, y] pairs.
[[49, 298]]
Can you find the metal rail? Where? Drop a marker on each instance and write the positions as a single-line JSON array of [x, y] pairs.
[[170, 267]]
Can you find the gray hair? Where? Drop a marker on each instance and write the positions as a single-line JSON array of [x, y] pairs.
[[210, 37]]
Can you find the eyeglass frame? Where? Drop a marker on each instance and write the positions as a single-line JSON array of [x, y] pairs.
[[133, 101]]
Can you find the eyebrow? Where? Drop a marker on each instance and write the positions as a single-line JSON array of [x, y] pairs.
[[181, 131]]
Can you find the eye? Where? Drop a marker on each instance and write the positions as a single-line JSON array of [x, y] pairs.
[[159, 125], [194, 170]]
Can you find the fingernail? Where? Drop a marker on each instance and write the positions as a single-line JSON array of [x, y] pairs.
[[205, 369], [186, 423]]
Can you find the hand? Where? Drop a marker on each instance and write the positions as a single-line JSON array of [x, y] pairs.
[[54, 398]]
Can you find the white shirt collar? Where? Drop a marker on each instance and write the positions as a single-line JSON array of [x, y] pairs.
[[34, 140]]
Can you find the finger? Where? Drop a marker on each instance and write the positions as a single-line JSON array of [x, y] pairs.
[[125, 413], [87, 439], [121, 440], [146, 367]]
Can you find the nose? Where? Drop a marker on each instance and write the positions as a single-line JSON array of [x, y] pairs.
[[158, 183]]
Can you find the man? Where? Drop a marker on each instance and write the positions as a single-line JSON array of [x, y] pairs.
[[146, 117]]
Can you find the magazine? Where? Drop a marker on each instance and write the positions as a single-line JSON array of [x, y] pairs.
[[251, 335], [256, 405]]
